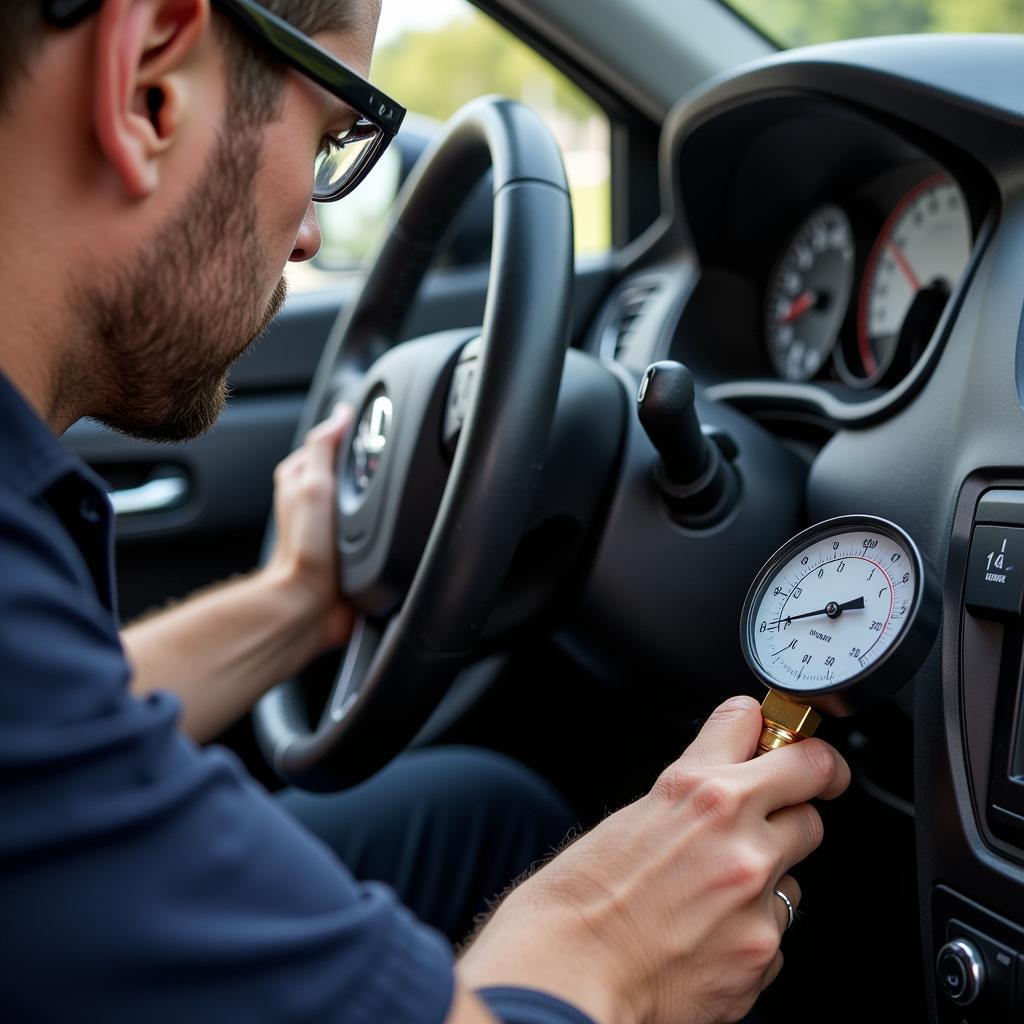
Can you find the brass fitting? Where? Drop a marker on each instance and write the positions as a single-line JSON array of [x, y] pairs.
[[785, 722]]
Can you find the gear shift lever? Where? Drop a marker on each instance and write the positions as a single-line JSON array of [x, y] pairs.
[[698, 483]]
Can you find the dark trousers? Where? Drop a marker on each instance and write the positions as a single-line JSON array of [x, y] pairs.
[[448, 828]]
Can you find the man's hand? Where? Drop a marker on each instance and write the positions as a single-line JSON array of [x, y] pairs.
[[222, 649], [304, 509], [666, 912]]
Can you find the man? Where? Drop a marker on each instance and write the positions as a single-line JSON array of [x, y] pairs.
[[156, 173]]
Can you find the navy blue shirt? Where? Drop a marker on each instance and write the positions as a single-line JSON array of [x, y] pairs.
[[142, 879]]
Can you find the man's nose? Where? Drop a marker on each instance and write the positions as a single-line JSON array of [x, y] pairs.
[[307, 242]]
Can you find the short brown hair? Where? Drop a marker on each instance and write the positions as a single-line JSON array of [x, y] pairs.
[[254, 80]]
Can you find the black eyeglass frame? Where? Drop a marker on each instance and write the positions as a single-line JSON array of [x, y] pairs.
[[298, 51]]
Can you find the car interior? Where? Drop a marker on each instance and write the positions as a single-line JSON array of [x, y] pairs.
[[826, 237]]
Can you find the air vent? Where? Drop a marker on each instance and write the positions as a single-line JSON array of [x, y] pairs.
[[626, 319]]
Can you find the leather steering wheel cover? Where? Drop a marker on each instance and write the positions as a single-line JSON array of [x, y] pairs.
[[498, 465]]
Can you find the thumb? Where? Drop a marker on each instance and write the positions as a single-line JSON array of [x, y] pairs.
[[729, 736]]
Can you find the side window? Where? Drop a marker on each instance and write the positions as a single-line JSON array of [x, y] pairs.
[[434, 58]]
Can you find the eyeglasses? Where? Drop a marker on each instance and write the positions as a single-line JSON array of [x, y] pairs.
[[344, 158]]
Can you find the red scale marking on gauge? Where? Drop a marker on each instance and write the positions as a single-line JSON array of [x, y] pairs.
[[892, 596], [884, 243]]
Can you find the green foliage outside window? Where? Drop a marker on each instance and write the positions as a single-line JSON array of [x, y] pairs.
[[797, 22], [435, 72]]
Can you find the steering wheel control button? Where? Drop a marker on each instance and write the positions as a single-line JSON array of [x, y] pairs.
[[995, 572], [461, 393], [961, 971]]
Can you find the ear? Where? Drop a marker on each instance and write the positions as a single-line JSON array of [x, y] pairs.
[[142, 49]]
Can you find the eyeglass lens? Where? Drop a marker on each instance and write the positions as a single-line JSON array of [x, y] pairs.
[[342, 160]]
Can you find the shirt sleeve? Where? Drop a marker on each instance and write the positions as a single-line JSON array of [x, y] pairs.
[[144, 879]]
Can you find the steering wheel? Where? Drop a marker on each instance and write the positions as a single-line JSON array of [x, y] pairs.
[[436, 480]]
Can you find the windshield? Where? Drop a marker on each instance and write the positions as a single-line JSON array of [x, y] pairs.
[[797, 22]]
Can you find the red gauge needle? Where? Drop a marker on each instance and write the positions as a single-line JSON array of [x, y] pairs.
[[908, 270], [800, 305]]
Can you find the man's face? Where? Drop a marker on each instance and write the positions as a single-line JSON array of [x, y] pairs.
[[192, 299]]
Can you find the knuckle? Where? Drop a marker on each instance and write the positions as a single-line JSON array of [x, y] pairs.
[[314, 489], [814, 827], [717, 801], [759, 946], [745, 870], [676, 783], [819, 760]]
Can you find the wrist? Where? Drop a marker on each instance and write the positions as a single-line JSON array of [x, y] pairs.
[[526, 945], [312, 612]]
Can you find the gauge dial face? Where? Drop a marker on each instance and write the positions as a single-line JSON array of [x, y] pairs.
[[809, 293], [829, 610], [912, 269]]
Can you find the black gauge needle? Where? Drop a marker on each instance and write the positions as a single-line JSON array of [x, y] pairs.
[[832, 610]]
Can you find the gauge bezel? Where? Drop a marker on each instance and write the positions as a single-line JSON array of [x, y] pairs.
[[896, 665]]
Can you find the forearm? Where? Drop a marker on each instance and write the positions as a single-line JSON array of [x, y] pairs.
[[222, 649]]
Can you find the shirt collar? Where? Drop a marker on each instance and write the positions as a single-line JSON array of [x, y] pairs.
[[31, 458]]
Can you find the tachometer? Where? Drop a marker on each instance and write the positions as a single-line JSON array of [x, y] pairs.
[[911, 271], [809, 293]]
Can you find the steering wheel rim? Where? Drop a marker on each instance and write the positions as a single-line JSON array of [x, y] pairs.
[[402, 670]]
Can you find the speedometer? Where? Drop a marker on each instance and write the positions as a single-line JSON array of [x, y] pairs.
[[809, 293], [911, 272]]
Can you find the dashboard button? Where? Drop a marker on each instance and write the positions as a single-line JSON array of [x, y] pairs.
[[995, 572], [960, 971]]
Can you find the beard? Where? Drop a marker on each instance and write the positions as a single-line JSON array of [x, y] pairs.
[[173, 323]]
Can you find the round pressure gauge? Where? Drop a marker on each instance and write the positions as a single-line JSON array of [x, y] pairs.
[[842, 615]]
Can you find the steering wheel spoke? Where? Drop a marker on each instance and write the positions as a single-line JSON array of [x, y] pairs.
[[352, 672]]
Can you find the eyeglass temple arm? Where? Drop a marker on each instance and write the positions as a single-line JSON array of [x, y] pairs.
[[66, 13]]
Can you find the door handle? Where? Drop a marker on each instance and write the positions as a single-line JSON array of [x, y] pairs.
[[158, 495]]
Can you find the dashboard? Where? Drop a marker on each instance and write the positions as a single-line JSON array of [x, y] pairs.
[[839, 263]]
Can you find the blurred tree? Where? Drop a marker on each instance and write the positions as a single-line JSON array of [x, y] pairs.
[[979, 16], [435, 72], [796, 22]]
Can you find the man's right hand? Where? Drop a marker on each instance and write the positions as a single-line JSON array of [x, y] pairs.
[[666, 913]]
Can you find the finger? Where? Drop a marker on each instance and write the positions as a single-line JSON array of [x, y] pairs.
[[797, 773], [729, 736], [796, 832], [773, 971], [290, 464], [790, 888], [322, 441]]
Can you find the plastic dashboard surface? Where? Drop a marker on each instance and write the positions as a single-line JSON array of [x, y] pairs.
[[744, 162]]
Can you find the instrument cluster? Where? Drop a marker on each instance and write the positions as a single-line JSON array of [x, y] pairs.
[[860, 284]]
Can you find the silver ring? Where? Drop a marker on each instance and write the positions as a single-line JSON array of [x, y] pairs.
[[789, 909]]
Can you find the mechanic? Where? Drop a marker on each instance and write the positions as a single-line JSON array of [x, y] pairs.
[[155, 176]]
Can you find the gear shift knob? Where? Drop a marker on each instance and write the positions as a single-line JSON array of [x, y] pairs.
[[698, 483]]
